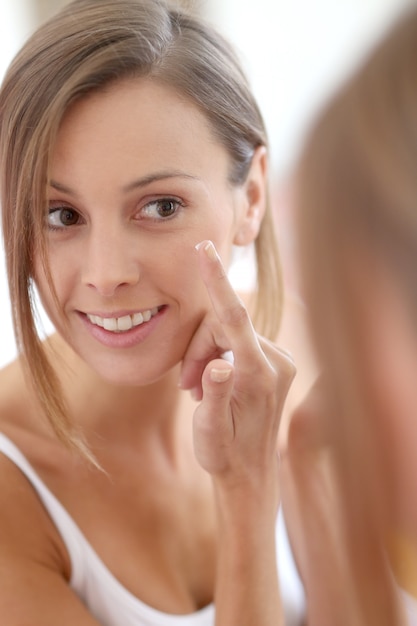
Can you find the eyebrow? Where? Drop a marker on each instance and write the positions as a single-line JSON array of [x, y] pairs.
[[157, 176], [139, 182]]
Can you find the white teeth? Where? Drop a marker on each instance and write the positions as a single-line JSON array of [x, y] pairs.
[[137, 319], [124, 323], [110, 323]]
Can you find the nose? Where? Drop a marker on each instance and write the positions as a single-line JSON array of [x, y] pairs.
[[110, 261]]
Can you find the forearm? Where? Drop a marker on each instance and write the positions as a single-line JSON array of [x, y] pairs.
[[235, 437], [247, 588]]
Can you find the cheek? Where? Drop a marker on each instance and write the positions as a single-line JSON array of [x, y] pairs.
[[180, 277], [218, 228], [181, 274]]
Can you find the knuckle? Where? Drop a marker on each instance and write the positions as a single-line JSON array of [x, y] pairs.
[[263, 384], [281, 359], [287, 368], [284, 360], [274, 379], [219, 394]]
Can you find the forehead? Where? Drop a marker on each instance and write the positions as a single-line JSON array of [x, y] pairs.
[[142, 121]]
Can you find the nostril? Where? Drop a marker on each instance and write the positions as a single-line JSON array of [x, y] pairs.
[[107, 278], [110, 260]]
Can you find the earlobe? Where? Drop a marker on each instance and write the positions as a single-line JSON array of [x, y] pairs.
[[252, 211]]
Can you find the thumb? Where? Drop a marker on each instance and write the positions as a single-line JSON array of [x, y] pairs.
[[217, 383], [213, 420]]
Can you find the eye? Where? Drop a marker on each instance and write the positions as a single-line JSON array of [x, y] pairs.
[[160, 209], [61, 217]]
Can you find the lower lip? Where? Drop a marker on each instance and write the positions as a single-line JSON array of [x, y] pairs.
[[127, 338]]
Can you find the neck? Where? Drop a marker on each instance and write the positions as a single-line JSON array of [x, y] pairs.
[[113, 413]]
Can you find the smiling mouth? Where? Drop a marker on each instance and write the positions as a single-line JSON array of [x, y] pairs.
[[124, 323]]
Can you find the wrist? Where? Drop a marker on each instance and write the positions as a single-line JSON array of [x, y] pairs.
[[247, 506]]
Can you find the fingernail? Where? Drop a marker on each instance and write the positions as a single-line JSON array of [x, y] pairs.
[[220, 375], [209, 249]]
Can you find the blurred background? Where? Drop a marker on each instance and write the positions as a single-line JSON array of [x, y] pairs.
[[295, 53]]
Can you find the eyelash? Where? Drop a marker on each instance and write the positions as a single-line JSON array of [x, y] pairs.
[[57, 210], [174, 201]]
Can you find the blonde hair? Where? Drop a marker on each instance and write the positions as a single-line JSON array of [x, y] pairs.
[[357, 192], [86, 46]]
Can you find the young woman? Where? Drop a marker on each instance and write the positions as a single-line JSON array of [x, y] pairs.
[[351, 466], [132, 159]]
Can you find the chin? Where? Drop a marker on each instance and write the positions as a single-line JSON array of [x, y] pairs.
[[137, 374]]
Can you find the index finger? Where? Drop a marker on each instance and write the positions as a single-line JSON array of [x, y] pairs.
[[229, 308]]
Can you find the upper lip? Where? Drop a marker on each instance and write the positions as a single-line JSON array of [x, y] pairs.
[[122, 313]]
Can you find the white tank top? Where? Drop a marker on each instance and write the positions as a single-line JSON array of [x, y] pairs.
[[112, 604], [410, 604]]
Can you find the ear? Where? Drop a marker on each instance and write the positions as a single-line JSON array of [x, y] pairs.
[[252, 203]]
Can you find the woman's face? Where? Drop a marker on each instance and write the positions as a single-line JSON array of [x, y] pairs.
[[137, 180]]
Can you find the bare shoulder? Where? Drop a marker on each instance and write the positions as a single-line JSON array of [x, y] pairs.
[[26, 528], [19, 406], [23, 517], [14, 393], [34, 563], [34, 566]]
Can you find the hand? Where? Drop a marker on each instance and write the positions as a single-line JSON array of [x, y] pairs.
[[237, 421]]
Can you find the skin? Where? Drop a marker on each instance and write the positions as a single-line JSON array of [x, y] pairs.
[[386, 354], [389, 358], [109, 146], [189, 492]]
